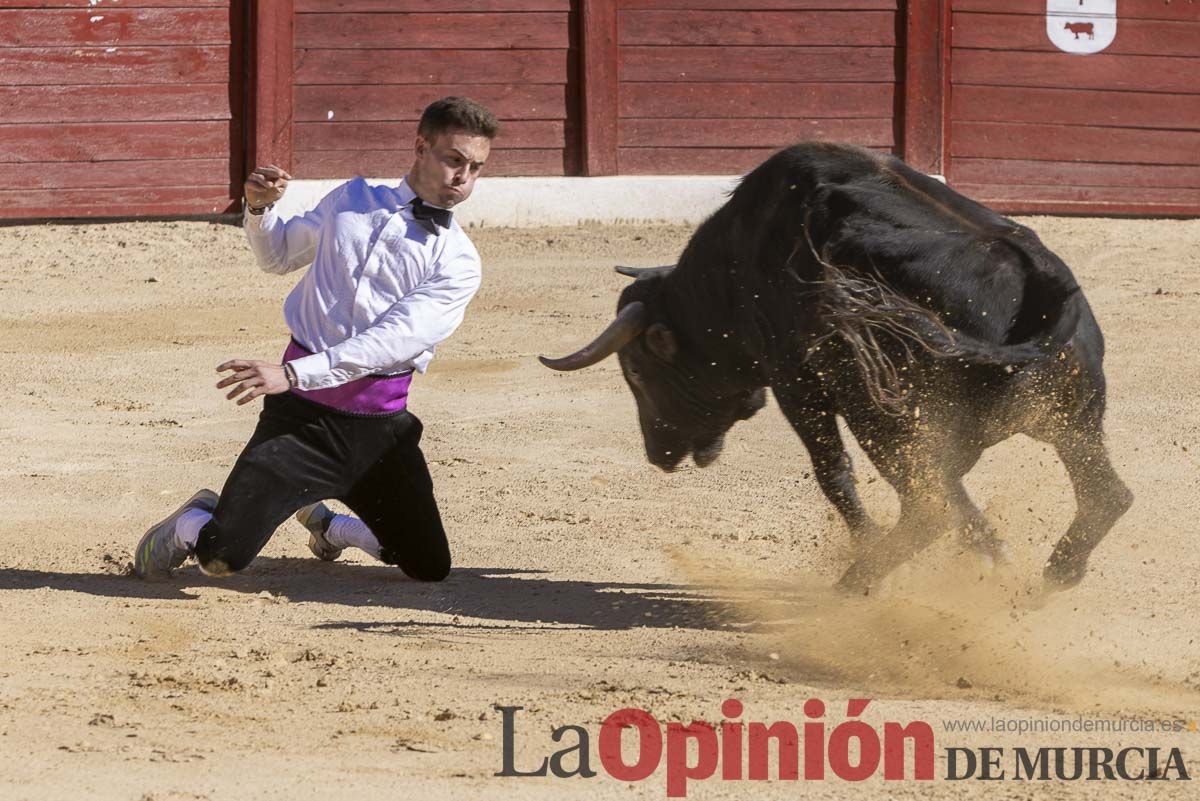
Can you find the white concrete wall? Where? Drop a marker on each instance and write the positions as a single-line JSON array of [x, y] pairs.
[[524, 202]]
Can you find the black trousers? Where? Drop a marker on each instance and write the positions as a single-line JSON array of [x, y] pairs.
[[301, 453]]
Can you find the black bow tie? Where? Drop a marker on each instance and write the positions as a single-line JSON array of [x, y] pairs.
[[423, 211]]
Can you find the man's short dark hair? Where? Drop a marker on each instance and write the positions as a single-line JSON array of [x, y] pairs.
[[457, 114]]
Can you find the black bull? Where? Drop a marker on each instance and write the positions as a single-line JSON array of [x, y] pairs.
[[854, 286]]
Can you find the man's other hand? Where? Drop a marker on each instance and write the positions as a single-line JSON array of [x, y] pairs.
[[265, 185], [252, 378]]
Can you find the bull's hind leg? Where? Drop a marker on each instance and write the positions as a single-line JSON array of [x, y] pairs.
[[1100, 500]]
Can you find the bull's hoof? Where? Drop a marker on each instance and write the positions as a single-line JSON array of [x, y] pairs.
[[855, 581], [982, 539], [1063, 573], [995, 556]]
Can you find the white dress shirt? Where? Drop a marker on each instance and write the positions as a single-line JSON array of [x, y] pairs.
[[382, 290]]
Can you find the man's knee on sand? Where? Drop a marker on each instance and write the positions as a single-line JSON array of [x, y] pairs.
[[427, 568], [217, 564], [215, 556]]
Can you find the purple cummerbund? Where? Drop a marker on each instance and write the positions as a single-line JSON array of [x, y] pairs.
[[370, 395]]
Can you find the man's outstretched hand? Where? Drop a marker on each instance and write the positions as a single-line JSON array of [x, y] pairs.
[[252, 378]]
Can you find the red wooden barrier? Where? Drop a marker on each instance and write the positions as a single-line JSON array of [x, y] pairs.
[[926, 84], [274, 34], [1035, 129], [598, 48], [139, 108], [714, 87], [134, 110]]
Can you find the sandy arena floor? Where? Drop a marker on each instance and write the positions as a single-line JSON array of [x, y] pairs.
[[585, 580]]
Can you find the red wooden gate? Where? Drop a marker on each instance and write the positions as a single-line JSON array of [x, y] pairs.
[[115, 110]]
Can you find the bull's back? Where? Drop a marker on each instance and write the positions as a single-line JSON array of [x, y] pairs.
[[983, 273]]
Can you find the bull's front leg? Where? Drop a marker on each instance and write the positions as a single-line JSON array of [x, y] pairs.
[[925, 512], [814, 420]]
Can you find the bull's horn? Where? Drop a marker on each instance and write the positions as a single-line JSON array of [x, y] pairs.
[[620, 332], [648, 272]]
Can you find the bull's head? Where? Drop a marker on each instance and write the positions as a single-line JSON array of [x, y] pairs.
[[685, 402]]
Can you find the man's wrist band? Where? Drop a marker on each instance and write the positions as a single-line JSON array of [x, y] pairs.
[[258, 212], [290, 372]]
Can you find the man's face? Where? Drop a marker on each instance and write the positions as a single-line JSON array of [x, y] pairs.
[[445, 168]]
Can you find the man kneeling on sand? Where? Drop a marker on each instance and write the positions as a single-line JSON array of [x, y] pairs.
[[390, 274]]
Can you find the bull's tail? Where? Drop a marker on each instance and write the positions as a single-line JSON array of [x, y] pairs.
[[885, 330], [882, 329]]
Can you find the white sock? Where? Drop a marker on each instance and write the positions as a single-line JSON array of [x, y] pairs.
[[350, 532], [187, 528]]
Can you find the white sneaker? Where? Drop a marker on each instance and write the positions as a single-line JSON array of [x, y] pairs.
[[316, 518], [157, 554]]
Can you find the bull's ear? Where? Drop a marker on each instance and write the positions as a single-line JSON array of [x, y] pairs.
[[662, 342]]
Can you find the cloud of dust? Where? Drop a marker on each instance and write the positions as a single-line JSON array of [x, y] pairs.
[[946, 630]]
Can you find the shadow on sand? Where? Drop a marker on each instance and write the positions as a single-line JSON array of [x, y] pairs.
[[476, 598]]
